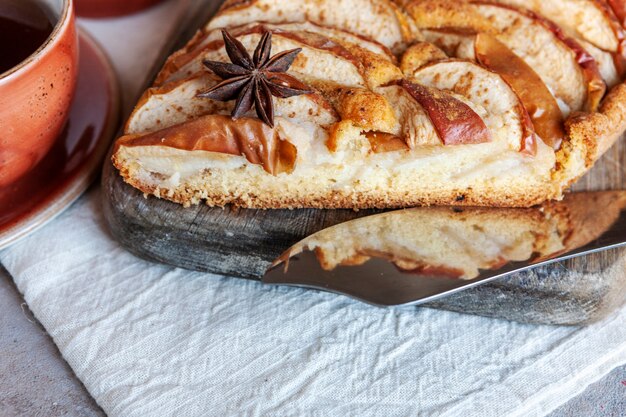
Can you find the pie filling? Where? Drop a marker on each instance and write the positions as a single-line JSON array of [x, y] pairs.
[[300, 152], [420, 241]]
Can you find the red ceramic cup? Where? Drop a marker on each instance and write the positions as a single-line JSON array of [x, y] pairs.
[[111, 8], [35, 95]]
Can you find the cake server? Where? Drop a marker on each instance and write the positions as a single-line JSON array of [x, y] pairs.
[[410, 257]]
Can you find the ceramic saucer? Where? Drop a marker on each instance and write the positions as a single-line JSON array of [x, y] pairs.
[[74, 161]]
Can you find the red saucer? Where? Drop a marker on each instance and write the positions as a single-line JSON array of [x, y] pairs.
[[74, 161]]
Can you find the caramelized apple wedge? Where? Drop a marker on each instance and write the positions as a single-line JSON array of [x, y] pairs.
[[247, 137], [206, 38], [208, 35], [593, 24], [178, 102], [380, 20], [351, 65], [536, 98], [428, 116], [506, 116], [552, 54], [455, 122], [588, 20], [543, 108], [610, 64], [329, 55], [619, 9], [564, 66]]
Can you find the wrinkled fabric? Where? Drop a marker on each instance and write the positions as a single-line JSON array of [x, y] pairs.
[[154, 340], [150, 340]]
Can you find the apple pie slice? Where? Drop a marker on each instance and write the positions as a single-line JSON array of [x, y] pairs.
[[453, 243], [372, 103]]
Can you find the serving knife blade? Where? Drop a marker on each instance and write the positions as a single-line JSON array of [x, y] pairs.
[[414, 256]]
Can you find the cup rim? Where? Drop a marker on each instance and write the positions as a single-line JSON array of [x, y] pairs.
[[58, 27]]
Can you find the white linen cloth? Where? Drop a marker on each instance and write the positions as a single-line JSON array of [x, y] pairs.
[[150, 340]]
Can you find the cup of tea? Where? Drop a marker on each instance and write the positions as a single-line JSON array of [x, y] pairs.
[[38, 73], [111, 8]]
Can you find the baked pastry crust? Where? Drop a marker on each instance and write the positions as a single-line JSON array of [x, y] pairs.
[[346, 113], [453, 243]]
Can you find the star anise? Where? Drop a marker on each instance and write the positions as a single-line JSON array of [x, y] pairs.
[[254, 80]]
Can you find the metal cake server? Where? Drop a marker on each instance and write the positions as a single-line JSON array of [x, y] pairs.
[[410, 257]]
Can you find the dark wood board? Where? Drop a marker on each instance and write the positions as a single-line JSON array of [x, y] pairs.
[[242, 243]]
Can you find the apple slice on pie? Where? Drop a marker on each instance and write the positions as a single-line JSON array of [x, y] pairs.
[[208, 35], [593, 24], [503, 110], [318, 53], [569, 72], [591, 21], [381, 20]]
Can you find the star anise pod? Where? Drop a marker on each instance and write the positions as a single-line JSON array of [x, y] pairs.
[[254, 80]]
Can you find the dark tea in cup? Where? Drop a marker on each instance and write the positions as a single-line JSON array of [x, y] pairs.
[[25, 26]]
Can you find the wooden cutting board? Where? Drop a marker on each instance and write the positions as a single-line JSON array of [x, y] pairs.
[[243, 243]]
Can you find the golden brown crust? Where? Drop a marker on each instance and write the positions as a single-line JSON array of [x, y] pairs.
[[365, 109], [336, 199], [418, 55], [590, 135], [599, 131], [583, 223]]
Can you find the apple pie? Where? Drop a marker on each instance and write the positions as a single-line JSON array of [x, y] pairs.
[[459, 243], [381, 104]]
